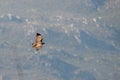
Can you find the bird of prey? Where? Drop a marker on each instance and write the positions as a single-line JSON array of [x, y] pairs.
[[38, 42]]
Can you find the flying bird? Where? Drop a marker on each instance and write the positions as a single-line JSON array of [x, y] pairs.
[[38, 42]]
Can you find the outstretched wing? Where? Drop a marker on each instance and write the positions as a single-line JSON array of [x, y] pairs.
[[33, 45]]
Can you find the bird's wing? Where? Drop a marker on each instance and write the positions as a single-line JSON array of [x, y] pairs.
[[33, 45]]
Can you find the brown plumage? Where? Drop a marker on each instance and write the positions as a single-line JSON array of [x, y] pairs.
[[38, 42]]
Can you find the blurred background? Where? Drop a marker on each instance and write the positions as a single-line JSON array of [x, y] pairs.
[[82, 39]]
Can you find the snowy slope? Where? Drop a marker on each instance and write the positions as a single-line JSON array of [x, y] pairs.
[[82, 40]]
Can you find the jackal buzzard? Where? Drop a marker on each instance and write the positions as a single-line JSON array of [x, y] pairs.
[[38, 42]]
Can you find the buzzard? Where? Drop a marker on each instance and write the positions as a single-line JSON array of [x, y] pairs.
[[38, 42]]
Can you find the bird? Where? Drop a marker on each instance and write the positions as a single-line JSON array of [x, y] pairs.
[[38, 42]]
